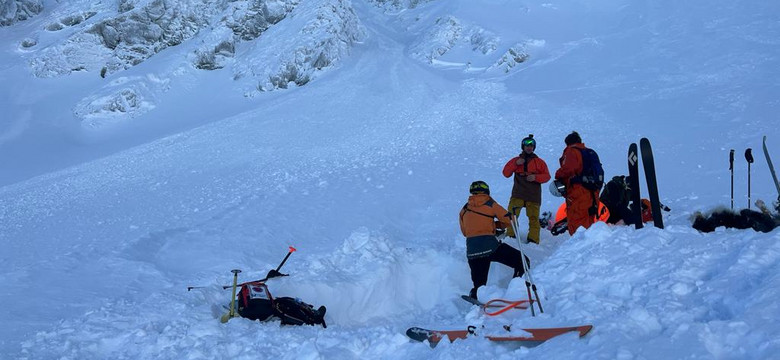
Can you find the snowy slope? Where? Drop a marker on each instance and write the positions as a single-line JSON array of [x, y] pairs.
[[364, 169]]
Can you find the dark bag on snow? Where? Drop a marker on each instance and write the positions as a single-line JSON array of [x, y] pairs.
[[256, 303], [293, 311], [616, 193]]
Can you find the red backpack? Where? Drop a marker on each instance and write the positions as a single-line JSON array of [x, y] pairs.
[[255, 302]]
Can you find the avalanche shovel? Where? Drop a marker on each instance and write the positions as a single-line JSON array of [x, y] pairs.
[[232, 313]]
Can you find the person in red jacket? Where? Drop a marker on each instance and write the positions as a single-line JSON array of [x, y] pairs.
[[530, 172], [479, 219], [580, 202]]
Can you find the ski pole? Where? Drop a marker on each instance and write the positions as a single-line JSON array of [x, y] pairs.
[[749, 158], [232, 313], [525, 267], [772, 170], [731, 168], [529, 283]]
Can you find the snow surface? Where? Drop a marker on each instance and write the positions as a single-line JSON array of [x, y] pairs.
[[107, 215]]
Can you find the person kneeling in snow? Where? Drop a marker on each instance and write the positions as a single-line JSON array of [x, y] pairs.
[[482, 247], [256, 303]]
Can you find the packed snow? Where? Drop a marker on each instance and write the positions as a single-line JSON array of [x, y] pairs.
[[211, 138]]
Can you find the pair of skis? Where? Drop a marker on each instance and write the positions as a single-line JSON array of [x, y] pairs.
[[652, 184], [534, 337]]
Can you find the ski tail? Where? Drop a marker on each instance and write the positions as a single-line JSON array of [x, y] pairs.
[[633, 183], [652, 184]]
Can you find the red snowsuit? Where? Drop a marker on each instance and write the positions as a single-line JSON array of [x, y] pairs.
[[578, 198]]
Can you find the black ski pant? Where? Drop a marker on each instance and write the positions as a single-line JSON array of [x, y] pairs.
[[504, 254]]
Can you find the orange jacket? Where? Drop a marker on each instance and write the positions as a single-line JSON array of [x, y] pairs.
[[478, 216], [524, 189], [536, 166], [571, 163]]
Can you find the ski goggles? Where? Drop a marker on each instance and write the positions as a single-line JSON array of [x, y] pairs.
[[529, 142], [479, 186]]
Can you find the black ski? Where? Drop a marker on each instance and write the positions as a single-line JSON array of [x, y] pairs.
[[652, 184], [633, 184], [472, 300], [771, 169]]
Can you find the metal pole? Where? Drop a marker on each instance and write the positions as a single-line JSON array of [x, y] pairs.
[[749, 158], [529, 283], [731, 168]]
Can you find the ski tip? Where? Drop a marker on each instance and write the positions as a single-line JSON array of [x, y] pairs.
[[418, 334], [471, 300], [585, 329]]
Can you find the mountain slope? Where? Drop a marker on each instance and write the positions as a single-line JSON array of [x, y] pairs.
[[364, 168]]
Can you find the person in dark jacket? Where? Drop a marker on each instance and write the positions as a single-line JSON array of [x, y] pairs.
[[616, 196], [530, 172], [479, 219]]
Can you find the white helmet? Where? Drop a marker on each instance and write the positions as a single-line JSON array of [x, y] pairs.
[[557, 188]]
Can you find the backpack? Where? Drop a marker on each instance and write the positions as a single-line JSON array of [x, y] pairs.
[[256, 303], [293, 311], [616, 193], [592, 176]]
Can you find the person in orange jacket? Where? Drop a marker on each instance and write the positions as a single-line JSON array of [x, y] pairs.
[[479, 219], [580, 202], [530, 172]]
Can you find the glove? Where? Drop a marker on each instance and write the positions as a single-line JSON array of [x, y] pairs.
[[273, 273]]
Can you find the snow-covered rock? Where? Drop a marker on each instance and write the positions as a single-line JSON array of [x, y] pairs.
[[324, 33], [399, 4], [135, 34], [516, 55], [12, 11], [314, 37]]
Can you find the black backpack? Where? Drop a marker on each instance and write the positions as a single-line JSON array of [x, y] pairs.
[[293, 311], [592, 176], [616, 193], [256, 303]]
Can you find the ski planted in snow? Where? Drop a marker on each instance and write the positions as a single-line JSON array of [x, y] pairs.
[[652, 185], [771, 169], [535, 337], [633, 183]]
